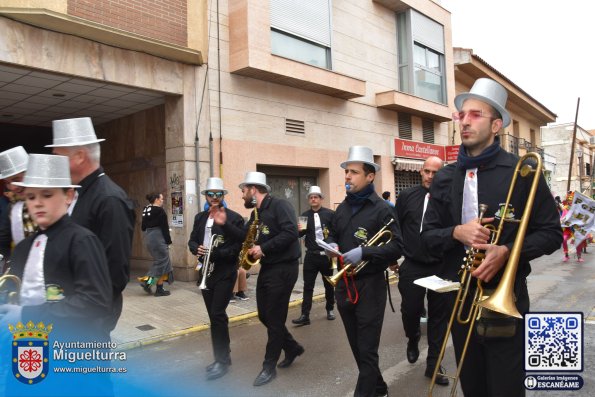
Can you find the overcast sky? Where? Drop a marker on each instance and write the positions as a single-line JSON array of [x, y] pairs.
[[545, 47]]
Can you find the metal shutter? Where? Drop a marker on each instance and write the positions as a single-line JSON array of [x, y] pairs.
[[309, 19]]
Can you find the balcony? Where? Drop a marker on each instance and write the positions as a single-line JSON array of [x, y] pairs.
[[519, 146]]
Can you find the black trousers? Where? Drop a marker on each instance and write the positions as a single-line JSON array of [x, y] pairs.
[[116, 310], [273, 290], [363, 325], [314, 264], [412, 306], [216, 299], [493, 367]]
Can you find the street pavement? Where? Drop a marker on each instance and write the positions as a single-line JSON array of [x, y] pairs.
[[147, 319], [327, 368]]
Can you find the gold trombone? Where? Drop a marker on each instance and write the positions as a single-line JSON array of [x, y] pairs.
[[383, 236], [502, 299], [9, 295]]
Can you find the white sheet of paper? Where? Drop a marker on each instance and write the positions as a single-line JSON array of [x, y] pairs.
[[327, 247], [437, 284]]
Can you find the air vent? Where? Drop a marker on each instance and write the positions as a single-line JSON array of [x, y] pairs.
[[405, 130], [295, 126], [427, 127], [592, 140]]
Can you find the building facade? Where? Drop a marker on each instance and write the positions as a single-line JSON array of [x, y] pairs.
[[557, 142], [184, 90]]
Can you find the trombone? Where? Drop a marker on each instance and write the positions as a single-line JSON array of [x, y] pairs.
[[502, 299]]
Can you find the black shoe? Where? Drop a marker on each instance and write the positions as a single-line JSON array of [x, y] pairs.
[[440, 379], [303, 320], [330, 315], [147, 287], [265, 376], [289, 358], [211, 365], [217, 371], [241, 296], [162, 292], [413, 349]]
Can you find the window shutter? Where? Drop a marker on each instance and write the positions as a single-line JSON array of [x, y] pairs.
[[427, 31], [404, 123], [308, 19]]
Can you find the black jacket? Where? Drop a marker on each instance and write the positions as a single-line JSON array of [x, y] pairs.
[[350, 230], [225, 255], [326, 216], [278, 232], [74, 259], [104, 208], [543, 236], [409, 210], [155, 216]]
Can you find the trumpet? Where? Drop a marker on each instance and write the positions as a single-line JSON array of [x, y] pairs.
[[208, 266], [502, 299], [383, 236]]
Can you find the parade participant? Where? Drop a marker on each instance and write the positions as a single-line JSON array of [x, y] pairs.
[[483, 173], [65, 280], [386, 197], [420, 263], [276, 245], [15, 223], [361, 304], [316, 261], [220, 281], [99, 205], [157, 239]]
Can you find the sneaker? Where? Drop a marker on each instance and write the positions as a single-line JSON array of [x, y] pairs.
[[232, 298], [241, 296], [580, 260], [162, 292], [565, 259]]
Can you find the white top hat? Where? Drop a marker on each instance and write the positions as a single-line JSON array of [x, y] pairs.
[[255, 178], [73, 132], [47, 171], [489, 91], [214, 184], [361, 154], [13, 161], [315, 190]]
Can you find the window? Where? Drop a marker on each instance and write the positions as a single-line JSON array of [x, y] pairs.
[[301, 30], [421, 56]]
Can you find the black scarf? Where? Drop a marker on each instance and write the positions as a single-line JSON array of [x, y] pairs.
[[357, 200], [465, 161]]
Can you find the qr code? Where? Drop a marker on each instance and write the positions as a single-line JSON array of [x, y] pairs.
[[554, 342]]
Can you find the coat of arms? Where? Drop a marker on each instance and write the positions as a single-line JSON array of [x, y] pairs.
[[30, 351]]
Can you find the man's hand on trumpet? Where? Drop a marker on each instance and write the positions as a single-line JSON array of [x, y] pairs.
[[495, 259], [472, 232]]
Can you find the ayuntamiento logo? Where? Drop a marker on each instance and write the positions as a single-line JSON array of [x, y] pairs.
[[30, 351]]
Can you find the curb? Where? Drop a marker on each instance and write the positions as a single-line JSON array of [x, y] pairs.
[[202, 327]]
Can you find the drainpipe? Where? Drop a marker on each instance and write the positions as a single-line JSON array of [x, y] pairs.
[[196, 153]]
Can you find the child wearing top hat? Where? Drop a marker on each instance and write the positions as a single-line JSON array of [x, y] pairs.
[[65, 279]]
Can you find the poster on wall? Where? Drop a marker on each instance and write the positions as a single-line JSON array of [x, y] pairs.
[[177, 209]]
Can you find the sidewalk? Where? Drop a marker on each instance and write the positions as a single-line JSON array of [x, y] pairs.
[[147, 319]]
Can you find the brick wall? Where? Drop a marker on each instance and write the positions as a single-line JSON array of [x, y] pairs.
[[158, 19]]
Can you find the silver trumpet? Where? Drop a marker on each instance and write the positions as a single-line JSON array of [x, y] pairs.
[[208, 266]]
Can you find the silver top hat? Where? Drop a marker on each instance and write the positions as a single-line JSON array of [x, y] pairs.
[[489, 91], [360, 154], [214, 184], [47, 171], [13, 161], [315, 190], [255, 178], [73, 132]]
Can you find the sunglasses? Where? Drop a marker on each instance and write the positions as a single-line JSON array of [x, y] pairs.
[[471, 114], [215, 194]]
